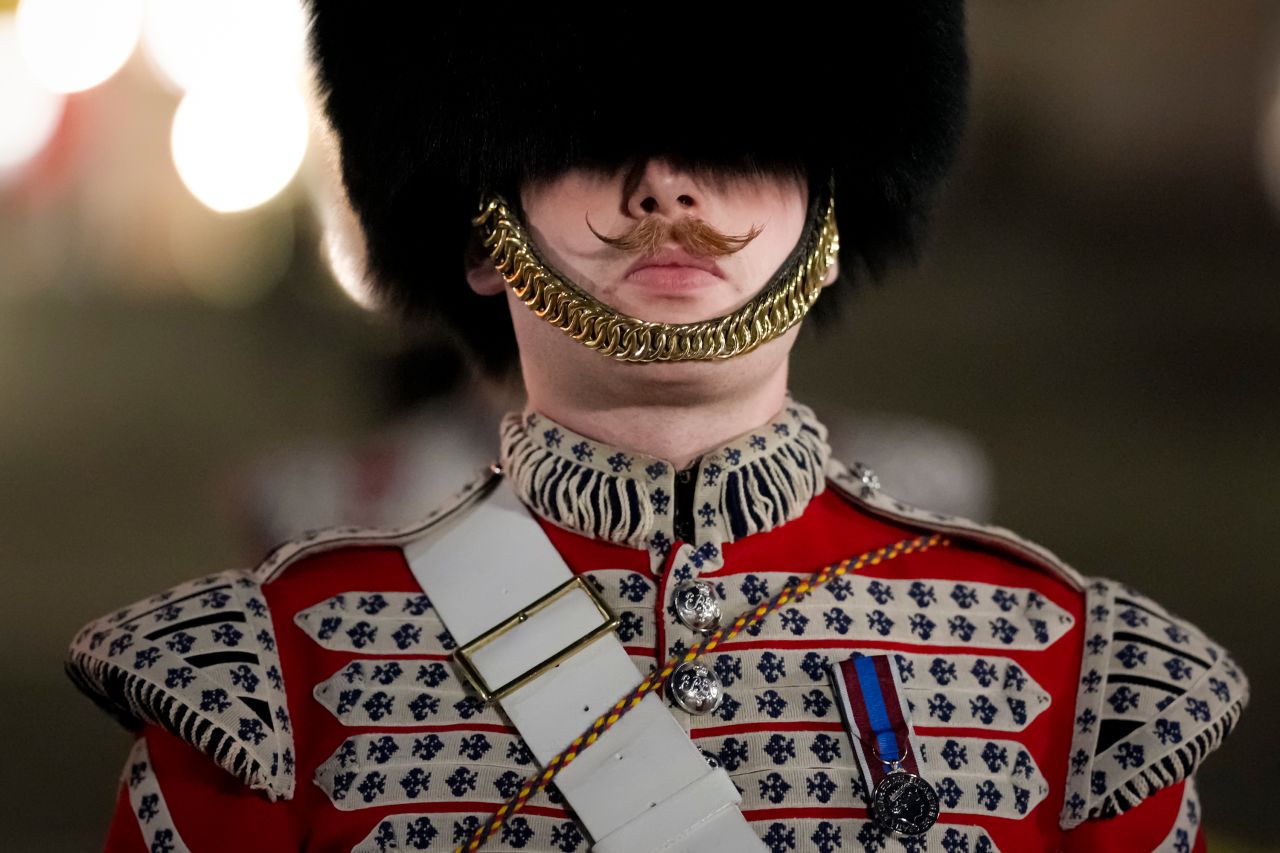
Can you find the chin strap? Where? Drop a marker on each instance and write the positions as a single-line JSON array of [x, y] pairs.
[[550, 295]]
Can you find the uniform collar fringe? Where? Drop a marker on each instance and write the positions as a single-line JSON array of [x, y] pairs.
[[754, 483]]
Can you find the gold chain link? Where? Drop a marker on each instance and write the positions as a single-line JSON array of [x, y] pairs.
[[599, 327]]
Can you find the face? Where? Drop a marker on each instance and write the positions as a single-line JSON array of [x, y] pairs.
[[574, 219]]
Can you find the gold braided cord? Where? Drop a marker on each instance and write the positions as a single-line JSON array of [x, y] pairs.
[[588, 320]]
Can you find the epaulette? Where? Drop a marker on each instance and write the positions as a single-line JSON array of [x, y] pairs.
[[1155, 697], [860, 485], [200, 659]]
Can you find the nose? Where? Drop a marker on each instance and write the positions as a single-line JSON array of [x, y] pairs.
[[662, 188]]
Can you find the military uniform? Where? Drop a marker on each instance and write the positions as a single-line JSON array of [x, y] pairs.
[[312, 702]]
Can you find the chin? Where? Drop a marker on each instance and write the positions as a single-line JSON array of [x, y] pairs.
[[686, 308]]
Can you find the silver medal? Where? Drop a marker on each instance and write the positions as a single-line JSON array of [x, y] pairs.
[[904, 803]]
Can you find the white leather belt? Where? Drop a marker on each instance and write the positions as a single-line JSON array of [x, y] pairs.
[[643, 786]]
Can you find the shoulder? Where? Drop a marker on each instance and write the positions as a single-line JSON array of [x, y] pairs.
[[201, 660], [1155, 695], [859, 485]]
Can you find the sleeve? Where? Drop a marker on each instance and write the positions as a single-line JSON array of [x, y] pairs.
[[1156, 696], [1167, 821], [172, 799]]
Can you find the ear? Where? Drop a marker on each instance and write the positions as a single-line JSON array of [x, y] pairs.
[[484, 277]]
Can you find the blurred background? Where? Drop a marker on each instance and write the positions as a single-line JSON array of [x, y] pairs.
[[1089, 353]]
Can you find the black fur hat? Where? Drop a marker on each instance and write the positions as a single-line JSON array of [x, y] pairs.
[[430, 109]]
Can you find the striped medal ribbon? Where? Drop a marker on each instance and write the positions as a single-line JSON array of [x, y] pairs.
[[875, 712]]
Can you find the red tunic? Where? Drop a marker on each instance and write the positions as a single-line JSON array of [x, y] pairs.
[[993, 640]]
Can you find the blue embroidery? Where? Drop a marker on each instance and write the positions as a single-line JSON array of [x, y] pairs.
[[419, 833], [1004, 599], [995, 757], [1130, 755], [372, 786], [922, 594], [827, 835], [817, 703], [361, 634], [780, 838], [964, 596], [1003, 630], [733, 753], [432, 674], [943, 671], [820, 787], [941, 707], [1131, 656], [428, 747], [780, 748], [425, 705], [461, 781], [837, 620], [378, 705], [771, 666], [955, 754], [988, 795], [774, 788], [474, 747], [407, 635], [1169, 730], [415, 782], [814, 665], [244, 677], [1123, 699], [769, 702], [372, 604], [922, 626], [566, 836]]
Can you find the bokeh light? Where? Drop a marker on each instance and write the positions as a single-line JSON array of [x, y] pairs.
[[236, 147], [196, 43], [30, 111], [72, 45]]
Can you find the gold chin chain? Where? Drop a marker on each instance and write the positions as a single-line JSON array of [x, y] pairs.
[[586, 319]]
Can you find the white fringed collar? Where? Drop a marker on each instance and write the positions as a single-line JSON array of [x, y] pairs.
[[753, 483]]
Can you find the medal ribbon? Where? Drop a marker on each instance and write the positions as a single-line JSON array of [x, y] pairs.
[[657, 680], [876, 714]]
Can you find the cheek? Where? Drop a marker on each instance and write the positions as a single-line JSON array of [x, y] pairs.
[[783, 228]]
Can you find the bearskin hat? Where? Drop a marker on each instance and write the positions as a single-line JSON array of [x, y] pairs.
[[430, 109]]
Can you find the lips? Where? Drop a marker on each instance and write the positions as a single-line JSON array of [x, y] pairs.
[[675, 259]]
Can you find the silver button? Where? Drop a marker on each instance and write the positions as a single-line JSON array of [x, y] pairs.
[[696, 606], [695, 688]]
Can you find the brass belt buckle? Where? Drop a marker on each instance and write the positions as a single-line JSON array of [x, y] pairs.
[[488, 694]]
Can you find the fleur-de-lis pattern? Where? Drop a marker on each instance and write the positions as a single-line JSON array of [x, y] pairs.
[[985, 776], [155, 821], [400, 692], [200, 660], [1155, 697], [884, 610], [374, 623], [859, 834], [751, 484], [372, 770], [436, 831], [408, 732]]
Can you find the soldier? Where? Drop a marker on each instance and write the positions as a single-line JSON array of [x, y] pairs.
[[666, 598]]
